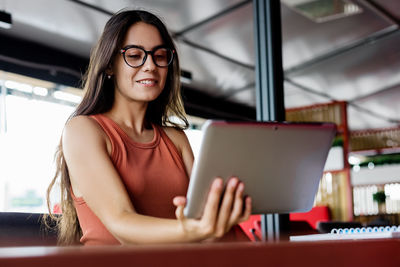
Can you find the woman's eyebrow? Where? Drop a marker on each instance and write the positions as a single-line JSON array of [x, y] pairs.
[[141, 46]]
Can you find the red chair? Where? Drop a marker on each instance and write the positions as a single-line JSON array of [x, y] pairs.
[[252, 227], [315, 215]]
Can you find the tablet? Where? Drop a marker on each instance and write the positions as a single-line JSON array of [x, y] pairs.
[[280, 164]]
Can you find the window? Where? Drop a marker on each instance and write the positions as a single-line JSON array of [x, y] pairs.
[[32, 118]]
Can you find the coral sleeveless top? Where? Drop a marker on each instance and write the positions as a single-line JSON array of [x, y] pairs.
[[153, 174]]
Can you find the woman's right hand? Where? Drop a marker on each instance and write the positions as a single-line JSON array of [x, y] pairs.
[[219, 216]]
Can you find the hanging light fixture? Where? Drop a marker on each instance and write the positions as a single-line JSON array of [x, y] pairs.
[[324, 10]]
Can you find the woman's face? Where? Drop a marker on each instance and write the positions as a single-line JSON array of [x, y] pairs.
[[144, 83]]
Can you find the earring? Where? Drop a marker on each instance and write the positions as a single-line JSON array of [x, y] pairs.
[[108, 76]]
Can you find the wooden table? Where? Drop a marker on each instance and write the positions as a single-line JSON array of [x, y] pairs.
[[385, 253]]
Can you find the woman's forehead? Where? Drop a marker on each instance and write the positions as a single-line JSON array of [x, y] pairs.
[[143, 34]]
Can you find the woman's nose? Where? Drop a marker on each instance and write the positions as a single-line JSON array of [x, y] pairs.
[[149, 64]]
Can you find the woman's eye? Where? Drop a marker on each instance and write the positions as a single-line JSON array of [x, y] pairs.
[[134, 56], [160, 56]]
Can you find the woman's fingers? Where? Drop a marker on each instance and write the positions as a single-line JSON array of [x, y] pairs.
[[247, 210], [180, 203], [237, 209], [214, 196], [218, 217], [179, 213], [225, 211]]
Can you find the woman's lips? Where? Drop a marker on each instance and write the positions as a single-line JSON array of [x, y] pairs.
[[147, 82]]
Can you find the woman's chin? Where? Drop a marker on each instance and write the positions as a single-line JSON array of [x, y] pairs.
[[147, 97]]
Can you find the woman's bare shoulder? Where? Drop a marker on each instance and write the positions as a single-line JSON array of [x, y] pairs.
[[80, 121], [181, 142], [177, 136], [82, 124], [173, 130], [83, 128]]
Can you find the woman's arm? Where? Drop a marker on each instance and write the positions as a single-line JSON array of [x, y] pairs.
[[94, 177]]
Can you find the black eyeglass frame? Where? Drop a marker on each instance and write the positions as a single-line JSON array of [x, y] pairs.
[[146, 53]]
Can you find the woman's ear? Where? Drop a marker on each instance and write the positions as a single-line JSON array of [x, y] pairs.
[[109, 72]]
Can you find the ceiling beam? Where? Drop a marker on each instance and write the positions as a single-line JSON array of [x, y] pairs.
[[215, 53], [45, 63], [211, 18], [376, 93], [382, 11], [372, 38], [101, 10]]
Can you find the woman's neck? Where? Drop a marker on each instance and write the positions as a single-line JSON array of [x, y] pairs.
[[130, 116]]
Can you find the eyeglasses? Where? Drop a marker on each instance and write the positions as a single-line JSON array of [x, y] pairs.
[[136, 56]]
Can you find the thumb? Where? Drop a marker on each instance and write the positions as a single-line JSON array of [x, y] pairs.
[[180, 203], [179, 213]]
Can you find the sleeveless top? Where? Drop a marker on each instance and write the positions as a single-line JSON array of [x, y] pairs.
[[153, 174]]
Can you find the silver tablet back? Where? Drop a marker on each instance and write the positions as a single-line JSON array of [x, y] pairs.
[[280, 163]]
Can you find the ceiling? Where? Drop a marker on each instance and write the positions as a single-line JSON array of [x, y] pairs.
[[354, 58]]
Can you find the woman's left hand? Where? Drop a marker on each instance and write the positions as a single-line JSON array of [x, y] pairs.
[[233, 208]]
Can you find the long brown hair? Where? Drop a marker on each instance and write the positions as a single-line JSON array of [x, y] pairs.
[[99, 98]]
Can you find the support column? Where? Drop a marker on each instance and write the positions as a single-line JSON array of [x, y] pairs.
[[269, 81]]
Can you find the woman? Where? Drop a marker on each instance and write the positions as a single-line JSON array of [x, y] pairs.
[[123, 164]]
